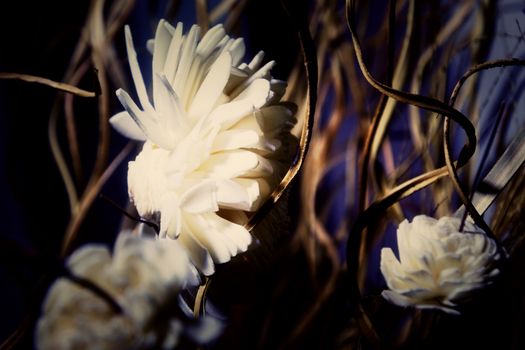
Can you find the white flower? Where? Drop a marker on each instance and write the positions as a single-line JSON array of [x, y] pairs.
[[438, 265], [144, 277], [212, 133]]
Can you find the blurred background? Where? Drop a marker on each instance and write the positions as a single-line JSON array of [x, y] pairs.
[[292, 293]]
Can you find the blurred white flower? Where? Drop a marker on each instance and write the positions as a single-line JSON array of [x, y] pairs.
[[438, 266], [144, 277], [212, 132]]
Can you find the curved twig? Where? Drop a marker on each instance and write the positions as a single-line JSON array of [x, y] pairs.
[[44, 81]]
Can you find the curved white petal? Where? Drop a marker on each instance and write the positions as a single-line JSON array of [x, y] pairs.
[[276, 118], [231, 164], [228, 114], [396, 299], [232, 195], [210, 41], [171, 62], [135, 72], [160, 49], [161, 45], [125, 125], [173, 112], [187, 54], [200, 198], [198, 254], [258, 190], [170, 220], [256, 61], [212, 86], [236, 233], [234, 139], [257, 92], [219, 248]]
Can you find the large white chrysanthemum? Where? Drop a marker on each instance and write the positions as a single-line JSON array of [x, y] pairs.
[[212, 133], [144, 276], [438, 265]]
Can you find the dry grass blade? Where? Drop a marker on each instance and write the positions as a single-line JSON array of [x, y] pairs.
[[44, 81], [199, 308], [499, 175]]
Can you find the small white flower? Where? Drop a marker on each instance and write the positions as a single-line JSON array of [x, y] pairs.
[[438, 265], [143, 276], [212, 133]]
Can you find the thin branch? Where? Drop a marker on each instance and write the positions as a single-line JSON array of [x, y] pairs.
[[44, 81]]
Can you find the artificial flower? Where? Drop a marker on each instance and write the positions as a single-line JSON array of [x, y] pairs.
[[144, 277], [213, 130], [438, 266]]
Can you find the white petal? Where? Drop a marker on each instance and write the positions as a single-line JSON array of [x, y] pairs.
[[88, 258], [278, 88], [256, 61], [144, 121], [389, 266], [160, 50], [170, 220], [210, 41], [186, 59], [258, 190], [212, 86], [275, 118], [228, 114], [200, 198], [227, 165], [218, 247], [173, 56], [396, 299], [234, 139], [237, 233], [237, 50], [231, 195], [448, 310], [403, 232], [261, 74], [198, 254], [172, 109], [150, 45], [257, 92], [135, 72], [125, 125], [205, 331], [237, 76], [161, 45]]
